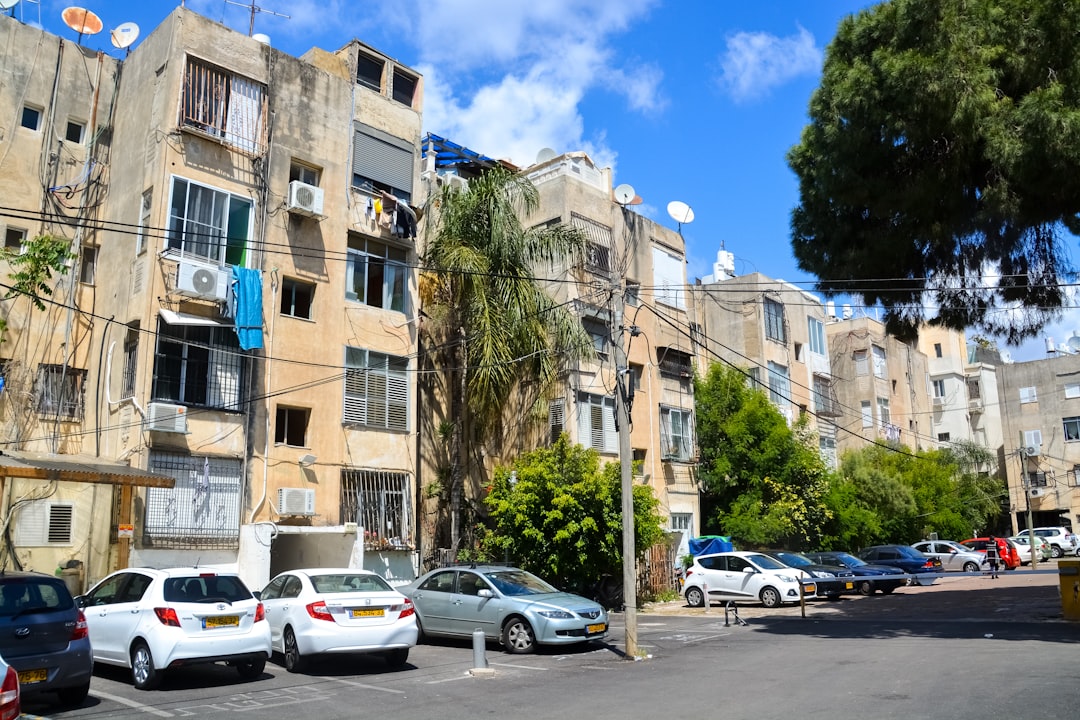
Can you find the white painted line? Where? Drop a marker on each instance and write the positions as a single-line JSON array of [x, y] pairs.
[[466, 676], [131, 704], [350, 683], [520, 667]]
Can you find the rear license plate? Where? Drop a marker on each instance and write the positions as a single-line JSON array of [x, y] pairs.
[[221, 621], [849, 586], [357, 612], [29, 677], [597, 628]]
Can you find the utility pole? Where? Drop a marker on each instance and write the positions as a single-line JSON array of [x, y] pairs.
[[622, 421], [1027, 503]]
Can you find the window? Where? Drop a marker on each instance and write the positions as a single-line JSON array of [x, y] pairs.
[[557, 418], [943, 437], [60, 392], [862, 367], [210, 224], [669, 277], [88, 265], [879, 361], [131, 360], [633, 377], [598, 243], [144, 220], [937, 349], [14, 239], [382, 162], [198, 365], [1032, 438], [675, 362], [31, 118], [202, 510], [939, 388], [376, 389], [1027, 395], [598, 331], [45, 523], [378, 502], [303, 173], [369, 71], [779, 384], [817, 336], [296, 298], [975, 390], [681, 521], [404, 89], [867, 414], [633, 293], [774, 320], [883, 412], [1036, 478], [223, 105], [675, 434], [596, 422], [1072, 390], [1072, 428], [75, 131], [291, 426], [823, 399], [376, 273]]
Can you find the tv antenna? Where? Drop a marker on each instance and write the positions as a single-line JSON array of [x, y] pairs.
[[124, 36], [251, 6], [680, 212], [82, 21]]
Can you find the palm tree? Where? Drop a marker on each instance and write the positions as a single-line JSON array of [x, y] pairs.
[[491, 324]]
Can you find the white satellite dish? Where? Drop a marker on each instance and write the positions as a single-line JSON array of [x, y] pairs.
[[544, 155], [124, 35], [680, 212], [1074, 343], [624, 194], [261, 38], [8, 4]]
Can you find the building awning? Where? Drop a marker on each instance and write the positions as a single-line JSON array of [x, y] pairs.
[[179, 318], [77, 468]]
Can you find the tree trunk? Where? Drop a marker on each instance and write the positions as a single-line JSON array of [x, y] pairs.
[[457, 445]]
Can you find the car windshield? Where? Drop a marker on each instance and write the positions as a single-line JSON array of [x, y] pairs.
[[21, 596], [794, 559], [518, 582], [765, 562], [342, 583]]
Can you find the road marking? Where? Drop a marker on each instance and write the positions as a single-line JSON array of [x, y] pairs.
[[452, 679], [132, 704], [368, 687], [520, 667]]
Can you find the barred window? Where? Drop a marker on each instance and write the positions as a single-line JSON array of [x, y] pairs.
[[202, 509], [131, 360], [60, 392], [198, 365], [376, 389], [378, 502], [224, 105]]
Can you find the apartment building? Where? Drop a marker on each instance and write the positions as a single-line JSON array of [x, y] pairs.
[[249, 330]]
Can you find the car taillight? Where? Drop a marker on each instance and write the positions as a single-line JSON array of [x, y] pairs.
[[167, 616], [9, 695], [689, 572], [318, 611], [407, 609], [928, 565], [260, 613], [81, 630]]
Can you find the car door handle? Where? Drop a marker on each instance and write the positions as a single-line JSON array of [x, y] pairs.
[[457, 602]]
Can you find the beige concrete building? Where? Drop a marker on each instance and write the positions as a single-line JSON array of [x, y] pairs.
[[249, 330]]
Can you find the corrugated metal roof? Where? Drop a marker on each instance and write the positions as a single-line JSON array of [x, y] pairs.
[[78, 468]]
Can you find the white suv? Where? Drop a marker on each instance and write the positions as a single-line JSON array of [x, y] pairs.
[[746, 577], [152, 620], [1062, 541]]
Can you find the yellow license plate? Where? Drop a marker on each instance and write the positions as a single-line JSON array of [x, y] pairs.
[[222, 621], [810, 589], [29, 677], [849, 586], [357, 612], [597, 628]]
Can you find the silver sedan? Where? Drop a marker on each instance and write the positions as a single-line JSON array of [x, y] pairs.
[[953, 555]]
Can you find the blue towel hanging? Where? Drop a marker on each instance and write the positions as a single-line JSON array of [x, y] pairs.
[[247, 287]]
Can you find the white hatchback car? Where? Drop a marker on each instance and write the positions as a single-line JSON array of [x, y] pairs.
[[744, 576], [153, 620], [339, 611]]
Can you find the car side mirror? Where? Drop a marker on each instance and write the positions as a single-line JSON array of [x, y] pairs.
[[485, 593], [749, 570]]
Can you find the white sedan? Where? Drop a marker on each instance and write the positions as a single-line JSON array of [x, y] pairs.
[[337, 611]]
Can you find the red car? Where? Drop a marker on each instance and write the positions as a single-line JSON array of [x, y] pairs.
[[1010, 556]]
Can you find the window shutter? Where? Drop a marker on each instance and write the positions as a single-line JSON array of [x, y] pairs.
[[611, 437], [596, 425], [383, 158]]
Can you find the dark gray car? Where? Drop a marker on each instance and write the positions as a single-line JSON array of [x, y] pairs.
[[44, 636]]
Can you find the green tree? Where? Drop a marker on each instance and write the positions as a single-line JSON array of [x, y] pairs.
[[33, 269], [491, 324], [943, 152], [557, 513], [766, 480]]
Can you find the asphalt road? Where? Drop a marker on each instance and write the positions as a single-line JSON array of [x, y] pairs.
[[963, 648]]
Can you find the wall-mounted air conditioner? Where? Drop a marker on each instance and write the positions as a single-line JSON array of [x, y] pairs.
[[1033, 450], [296, 501], [1036, 492], [165, 417], [305, 199], [202, 282], [939, 401]]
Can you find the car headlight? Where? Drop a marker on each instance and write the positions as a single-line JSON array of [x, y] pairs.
[[787, 578], [556, 614], [822, 573]]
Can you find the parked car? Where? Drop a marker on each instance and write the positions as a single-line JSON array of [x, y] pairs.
[[337, 611], [1062, 540], [868, 577], [831, 581], [154, 620], [509, 604], [1043, 550], [953, 555], [43, 635], [1010, 558], [744, 576], [924, 569], [10, 705]]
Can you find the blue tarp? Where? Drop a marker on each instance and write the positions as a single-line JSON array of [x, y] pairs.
[[249, 315], [710, 544]]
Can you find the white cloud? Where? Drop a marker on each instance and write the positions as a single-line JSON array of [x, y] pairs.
[[755, 63]]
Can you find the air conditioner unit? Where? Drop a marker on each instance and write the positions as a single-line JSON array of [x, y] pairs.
[[165, 417], [202, 282], [938, 401], [305, 199], [296, 501], [1036, 492], [1033, 450]]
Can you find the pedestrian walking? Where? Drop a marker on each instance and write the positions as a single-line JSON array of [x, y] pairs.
[[993, 556]]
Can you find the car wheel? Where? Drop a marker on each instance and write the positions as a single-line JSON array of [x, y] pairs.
[[398, 657], [971, 567], [420, 636], [770, 597], [74, 695], [143, 673], [866, 587], [251, 669], [1055, 551], [695, 597], [294, 661], [518, 636]]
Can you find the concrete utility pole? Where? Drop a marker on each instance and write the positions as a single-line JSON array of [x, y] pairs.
[[1027, 502], [622, 420]]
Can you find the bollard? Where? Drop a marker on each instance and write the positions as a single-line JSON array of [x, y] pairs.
[[479, 647], [705, 592]]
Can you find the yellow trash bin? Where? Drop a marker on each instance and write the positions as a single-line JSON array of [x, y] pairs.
[[1069, 576]]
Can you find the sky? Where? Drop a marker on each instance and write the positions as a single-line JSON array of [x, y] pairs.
[[691, 100]]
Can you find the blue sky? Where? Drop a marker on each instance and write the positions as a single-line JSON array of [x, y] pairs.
[[691, 100]]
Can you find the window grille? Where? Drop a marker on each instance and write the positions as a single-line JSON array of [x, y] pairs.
[[202, 510], [60, 392], [225, 106], [198, 365], [378, 501]]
